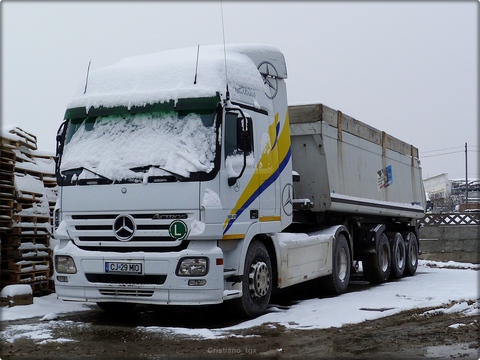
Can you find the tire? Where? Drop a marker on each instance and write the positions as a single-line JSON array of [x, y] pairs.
[[256, 282], [377, 265], [116, 307], [412, 253], [337, 282], [398, 255]]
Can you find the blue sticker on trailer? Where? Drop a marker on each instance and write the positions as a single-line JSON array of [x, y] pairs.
[[385, 177]]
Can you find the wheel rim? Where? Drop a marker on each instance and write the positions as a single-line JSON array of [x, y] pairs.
[[259, 277], [413, 253], [384, 258], [400, 257], [400, 254], [342, 264]]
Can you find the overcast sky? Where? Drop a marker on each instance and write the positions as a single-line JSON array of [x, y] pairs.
[[407, 68]]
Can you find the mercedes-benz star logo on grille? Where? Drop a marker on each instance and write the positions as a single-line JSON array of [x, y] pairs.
[[124, 227]]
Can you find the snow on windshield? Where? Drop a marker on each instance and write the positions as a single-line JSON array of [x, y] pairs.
[[117, 143]]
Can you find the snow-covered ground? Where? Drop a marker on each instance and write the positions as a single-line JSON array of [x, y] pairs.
[[450, 286]]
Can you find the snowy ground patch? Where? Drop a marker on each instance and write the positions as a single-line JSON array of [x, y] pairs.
[[434, 285], [40, 333], [448, 289], [43, 306]]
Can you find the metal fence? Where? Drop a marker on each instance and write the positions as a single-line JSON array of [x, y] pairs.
[[465, 218]]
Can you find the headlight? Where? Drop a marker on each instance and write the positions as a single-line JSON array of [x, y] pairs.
[[192, 267], [65, 265]]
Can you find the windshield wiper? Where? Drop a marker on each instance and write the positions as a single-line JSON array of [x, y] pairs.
[[145, 168], [78, 170]]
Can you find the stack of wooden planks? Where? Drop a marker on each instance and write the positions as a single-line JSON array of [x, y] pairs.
[[28, 192]]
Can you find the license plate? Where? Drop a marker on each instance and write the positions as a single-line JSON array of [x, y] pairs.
[[123, 267]]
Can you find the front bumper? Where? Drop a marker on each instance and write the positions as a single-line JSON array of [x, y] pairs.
[[158, 284]]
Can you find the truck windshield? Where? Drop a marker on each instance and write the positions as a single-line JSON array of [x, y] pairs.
[[163, 143]]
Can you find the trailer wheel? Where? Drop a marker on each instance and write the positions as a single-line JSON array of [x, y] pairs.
[[337, 282], [398, 255], [412, 253], [256, 282], [377, 265]]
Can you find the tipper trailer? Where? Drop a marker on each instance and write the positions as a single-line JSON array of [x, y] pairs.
[[185, 179]]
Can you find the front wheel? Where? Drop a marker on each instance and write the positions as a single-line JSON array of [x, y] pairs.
[[256, 282], [337, 282]]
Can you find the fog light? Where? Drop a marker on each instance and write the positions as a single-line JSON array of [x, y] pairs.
[[192, 267], [65, 265], [62, 278], [197, 282]]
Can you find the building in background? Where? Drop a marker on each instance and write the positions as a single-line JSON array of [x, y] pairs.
[[449, 195]]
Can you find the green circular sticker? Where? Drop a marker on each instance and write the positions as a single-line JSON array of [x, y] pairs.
[[178, 230]]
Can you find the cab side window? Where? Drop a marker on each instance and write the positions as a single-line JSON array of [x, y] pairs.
[[236, 141]]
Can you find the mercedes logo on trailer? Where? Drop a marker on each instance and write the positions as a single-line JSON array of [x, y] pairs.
[[124, 227]]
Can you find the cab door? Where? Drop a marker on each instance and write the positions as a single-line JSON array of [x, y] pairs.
[[238, 178]]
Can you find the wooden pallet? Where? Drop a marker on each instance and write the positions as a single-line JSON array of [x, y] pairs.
[[34, 252], [25, 241], [30, 218], [9, 277], [39, 288], [42, 288], [29, 230], [6, 210], [6, 176], [20, 299], [7, 202], [24, 138], [28, 196], [7, 155], [23, 170], [25, 265], [8, 167], [6, 196], [8, 143], [49, 182], [6, 223]]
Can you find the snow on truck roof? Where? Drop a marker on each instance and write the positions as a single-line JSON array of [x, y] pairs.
[[170, 75]]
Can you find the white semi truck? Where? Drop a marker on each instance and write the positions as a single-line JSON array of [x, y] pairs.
[[186, 179]]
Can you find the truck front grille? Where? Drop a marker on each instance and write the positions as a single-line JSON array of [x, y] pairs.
[[99, 228], [124, 249], [135, 238], [126, 279], [125, 292]]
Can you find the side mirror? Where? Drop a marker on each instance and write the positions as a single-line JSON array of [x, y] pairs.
[[239, 138], [59, 149], [245, 134]]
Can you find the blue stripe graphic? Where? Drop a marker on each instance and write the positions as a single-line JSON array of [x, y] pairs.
[[277, 131], [261, 189]]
